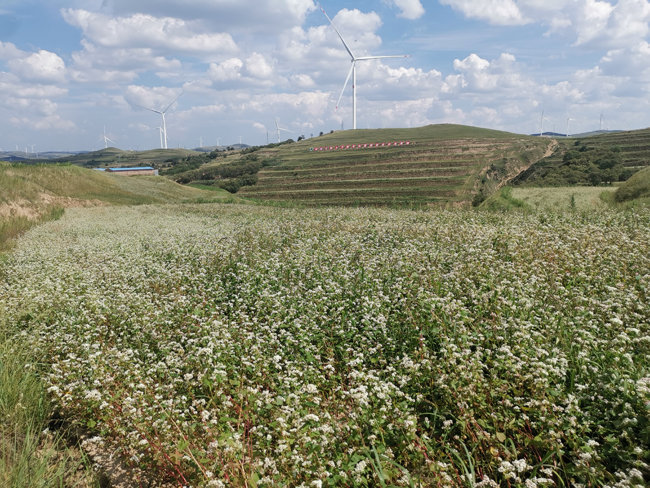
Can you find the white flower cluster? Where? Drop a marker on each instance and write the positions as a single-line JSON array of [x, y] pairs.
[[334, 346]]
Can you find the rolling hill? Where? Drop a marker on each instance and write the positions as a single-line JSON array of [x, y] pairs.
[[117, 157], [632, 146], [443, 164]]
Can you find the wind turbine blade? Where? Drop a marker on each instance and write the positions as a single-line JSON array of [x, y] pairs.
[[345, 85], [287, 130], [364, 58], [150, 109], [340, 36], [170, 105]]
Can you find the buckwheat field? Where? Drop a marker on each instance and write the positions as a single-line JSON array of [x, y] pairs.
[[225, 345]]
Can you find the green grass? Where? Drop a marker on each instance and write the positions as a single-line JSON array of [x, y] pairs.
[[561, 198], [31, 456], [637, 187], [35, 193]]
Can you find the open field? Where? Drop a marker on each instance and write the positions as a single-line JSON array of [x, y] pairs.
[[560, 199], [29, 194], [446, 164], [223, 345]]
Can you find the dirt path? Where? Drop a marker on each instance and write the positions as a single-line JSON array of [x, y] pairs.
[[551, 148]]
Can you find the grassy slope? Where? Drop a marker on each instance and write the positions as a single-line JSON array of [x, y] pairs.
[[29, 183], [29, 194], [442, 167], [637, 187], [634, 145]]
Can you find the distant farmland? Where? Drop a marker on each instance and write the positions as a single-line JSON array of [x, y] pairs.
[[443, 164]]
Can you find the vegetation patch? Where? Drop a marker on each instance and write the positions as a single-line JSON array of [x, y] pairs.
[[252, 346], [637, 187]]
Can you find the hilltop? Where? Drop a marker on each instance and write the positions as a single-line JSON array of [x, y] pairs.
[[442, 164]]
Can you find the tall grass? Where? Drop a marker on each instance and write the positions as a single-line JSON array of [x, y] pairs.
[[13, 227], [31, 456]]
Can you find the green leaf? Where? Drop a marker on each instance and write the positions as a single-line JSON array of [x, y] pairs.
[[501, 436]]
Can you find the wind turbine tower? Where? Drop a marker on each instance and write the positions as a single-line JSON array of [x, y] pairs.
[[201, 141], [239, 139], [353, 72], [32, 146], [162, 114], [277, 126]]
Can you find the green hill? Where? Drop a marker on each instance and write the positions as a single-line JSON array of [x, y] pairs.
[[443, 164], [637, 187], [117, 157], [630, 149]]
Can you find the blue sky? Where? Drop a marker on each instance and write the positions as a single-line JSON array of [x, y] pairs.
[[70, 67]]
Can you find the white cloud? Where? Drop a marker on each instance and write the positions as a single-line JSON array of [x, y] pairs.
[[498, 12], [49, 123], [258, 67], [40, 66], [146, 31], [410, 9], [10, 51], [260, 127], [228, 70], [158, 98], [242, 15]]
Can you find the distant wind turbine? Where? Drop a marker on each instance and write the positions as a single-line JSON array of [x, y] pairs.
[[162, 114], [33, 146], [239, 139], [201, 141], [105, 139], [277, 126], [353, 72], [542, 119], [218, 139], [568, 119], [600, 124]]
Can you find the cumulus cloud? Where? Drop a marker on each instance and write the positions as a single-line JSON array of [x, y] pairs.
[[409, 9], [595, 23], [40, 66], [242, 15], [157, 98], [498, 12], [49, 123], [147, 31]]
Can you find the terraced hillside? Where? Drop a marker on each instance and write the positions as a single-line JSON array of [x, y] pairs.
[[442, 164], [633, 147]]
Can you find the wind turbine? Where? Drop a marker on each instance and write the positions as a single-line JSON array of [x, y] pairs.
[[32, 146], [201, 141], [164, 124], [600, 124], [239, 139], [542, 119], [568, 119], [353, 72], [277, 126], [105, 139], [218, 139]]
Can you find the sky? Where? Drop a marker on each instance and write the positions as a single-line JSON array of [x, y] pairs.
[[69, 68]]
